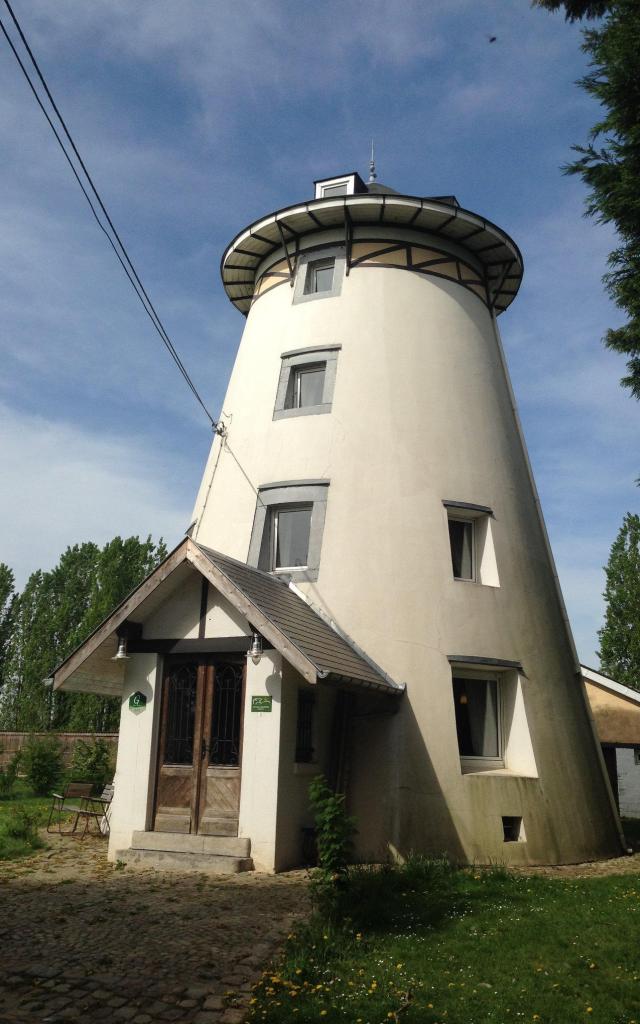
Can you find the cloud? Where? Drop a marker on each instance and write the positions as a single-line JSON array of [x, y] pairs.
[[63, 485]]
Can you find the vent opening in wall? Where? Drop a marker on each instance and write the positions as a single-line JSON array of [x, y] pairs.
[[512, 830]]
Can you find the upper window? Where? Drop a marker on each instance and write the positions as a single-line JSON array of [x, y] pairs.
[[306, 386], [335, 190], [287, 528], [471, 543], [461, 540], [287, 536], [319, 273], [319, 276], [306, 382]]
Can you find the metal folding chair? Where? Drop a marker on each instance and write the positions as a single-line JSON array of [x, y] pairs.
[[73, 791]]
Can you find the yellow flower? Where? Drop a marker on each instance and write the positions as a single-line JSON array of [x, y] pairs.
[[399, 966], [323, 1013]]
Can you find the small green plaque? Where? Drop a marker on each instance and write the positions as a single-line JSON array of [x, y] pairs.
[[261, 703], [137, 700]]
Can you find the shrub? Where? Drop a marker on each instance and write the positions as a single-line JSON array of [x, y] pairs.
[[334, 831], [42, 759], [8, 775], [23, 824], [92, 762]]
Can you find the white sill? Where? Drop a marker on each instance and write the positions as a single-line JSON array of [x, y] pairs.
[[306, 768], [501, 772], [477, 583]]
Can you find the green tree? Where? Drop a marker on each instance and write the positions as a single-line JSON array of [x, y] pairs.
[[7, 606], [609, 163], [620, 635], [54, 613]]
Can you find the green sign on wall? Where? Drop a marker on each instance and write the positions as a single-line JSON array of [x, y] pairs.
[[137, 700], [261, 703]]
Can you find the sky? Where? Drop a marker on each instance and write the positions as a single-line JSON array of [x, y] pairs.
[[197, 118]]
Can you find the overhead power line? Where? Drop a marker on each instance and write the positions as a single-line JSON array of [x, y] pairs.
[[112, 236]]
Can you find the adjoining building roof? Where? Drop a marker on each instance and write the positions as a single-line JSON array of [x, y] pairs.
[[591, 675], [284, 619], [495, 251]]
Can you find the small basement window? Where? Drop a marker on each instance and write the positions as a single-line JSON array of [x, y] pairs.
[[304, 727], [512, 830]]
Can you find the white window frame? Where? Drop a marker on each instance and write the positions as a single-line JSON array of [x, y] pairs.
[[294, 361], [474, 763], [337, 253], [312, 268], [273, 520], [349, 180], [297, 372], [473, 578]]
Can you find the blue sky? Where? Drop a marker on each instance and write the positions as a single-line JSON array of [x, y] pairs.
[[196, 118]]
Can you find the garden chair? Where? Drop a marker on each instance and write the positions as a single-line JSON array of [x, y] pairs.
[[70, 801], [96, 808]]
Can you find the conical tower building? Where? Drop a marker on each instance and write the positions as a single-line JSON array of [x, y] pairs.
[[373, 456], [367, 588]]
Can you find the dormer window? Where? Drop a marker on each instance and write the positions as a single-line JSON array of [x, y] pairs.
[[345, 185]]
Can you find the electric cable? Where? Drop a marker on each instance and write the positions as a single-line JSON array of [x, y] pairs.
[[126, 262]]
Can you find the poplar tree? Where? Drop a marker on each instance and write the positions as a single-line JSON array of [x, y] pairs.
[[609, 163], [620, 635], [55, 612]]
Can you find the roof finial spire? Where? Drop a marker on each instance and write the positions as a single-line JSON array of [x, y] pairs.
[[372, 166]]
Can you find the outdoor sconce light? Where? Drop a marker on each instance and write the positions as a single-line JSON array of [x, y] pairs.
[[121, 653], [255, 651]]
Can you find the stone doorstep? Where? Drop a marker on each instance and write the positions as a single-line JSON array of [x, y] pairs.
[[175, 860], [178, 842]]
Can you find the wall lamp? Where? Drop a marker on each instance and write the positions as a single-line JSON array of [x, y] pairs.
[[255, 651]]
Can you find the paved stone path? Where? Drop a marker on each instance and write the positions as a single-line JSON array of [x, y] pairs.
[[82, 940]]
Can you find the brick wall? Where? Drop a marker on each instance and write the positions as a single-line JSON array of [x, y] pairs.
[[10, 742]]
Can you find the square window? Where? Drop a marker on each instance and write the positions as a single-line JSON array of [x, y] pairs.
[[306, 386], [319, 276], [462, 542], [304, 727], [287, 536], [512, 830], [478, 718]]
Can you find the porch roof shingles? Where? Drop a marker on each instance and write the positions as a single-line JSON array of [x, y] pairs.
[[329, 652]]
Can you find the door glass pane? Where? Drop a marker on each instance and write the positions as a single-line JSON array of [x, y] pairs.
[[476, 704], [461, 540], [181, 713], [292, 528], [309, 385], [225, 715]]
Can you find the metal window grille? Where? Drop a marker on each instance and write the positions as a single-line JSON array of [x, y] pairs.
[[225, 722], [304, 728], [181, 713]]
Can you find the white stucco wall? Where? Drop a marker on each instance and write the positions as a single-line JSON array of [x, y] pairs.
[[421, 413], [135, 766]]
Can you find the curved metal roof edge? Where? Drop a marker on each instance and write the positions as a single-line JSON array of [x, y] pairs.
[[456, 212]]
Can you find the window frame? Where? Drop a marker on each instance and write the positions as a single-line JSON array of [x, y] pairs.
[[473, 578], [289, 493], [313, 266], [470, 763], [292, 362], [320, 254], [273, 520]]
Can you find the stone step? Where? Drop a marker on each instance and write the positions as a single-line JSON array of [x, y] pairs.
[[172, 860], [178, 842]]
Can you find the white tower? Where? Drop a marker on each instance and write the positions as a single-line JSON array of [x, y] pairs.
[[373, 456]]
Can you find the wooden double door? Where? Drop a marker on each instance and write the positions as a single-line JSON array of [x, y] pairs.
[[199, 752]]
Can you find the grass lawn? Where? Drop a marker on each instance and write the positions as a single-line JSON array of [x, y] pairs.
[[430, 943], [36, 808]]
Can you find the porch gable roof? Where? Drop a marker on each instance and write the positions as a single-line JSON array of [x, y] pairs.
[[309, 643]]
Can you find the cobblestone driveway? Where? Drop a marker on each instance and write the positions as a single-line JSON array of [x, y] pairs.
[[82, 940]]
